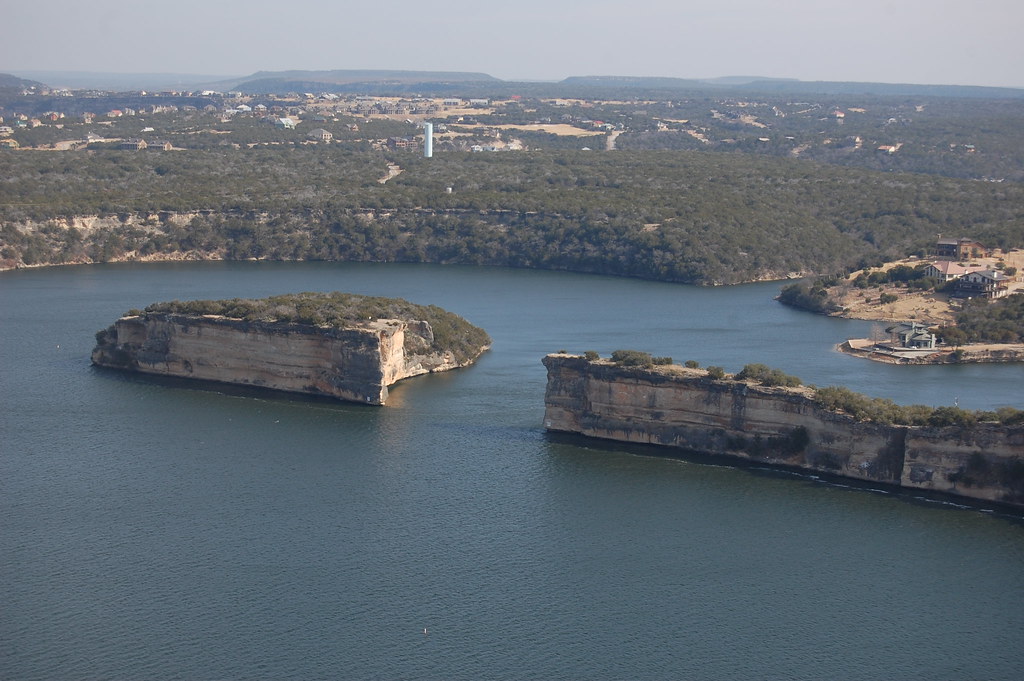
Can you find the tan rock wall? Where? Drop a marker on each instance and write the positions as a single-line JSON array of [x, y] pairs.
[[355, 364], [780, 426], [974, 462]]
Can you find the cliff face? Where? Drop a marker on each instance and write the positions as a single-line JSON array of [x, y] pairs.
[[781, 426], [356, 364]]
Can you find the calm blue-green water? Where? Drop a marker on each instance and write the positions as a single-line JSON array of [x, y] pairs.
[[162, 531]]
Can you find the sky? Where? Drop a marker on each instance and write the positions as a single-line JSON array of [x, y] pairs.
[[889, 41]]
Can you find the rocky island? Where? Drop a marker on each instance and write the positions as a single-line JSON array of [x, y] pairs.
[[755, 416], [340, 345]]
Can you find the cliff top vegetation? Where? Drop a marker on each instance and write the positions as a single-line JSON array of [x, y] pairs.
[[833, 398], [451, 333]]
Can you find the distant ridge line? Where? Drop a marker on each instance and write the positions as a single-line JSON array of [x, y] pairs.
[[405, 81]]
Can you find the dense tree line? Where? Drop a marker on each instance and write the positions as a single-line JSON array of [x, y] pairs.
[[984, 321], [677, 216]]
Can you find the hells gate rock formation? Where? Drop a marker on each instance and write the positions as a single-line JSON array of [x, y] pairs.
[[689, 410], [337, 345]]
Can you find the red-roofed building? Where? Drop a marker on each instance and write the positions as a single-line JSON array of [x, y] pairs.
[[947, 270]]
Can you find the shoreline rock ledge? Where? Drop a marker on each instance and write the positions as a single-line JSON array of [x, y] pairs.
[[339, 345], [690, 410]]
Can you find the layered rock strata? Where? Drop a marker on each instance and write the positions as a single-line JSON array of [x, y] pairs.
[[686, 409], [356, 363]]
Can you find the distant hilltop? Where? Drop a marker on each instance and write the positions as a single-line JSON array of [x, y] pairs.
[[346, 80], [399, 82], [790, 85], [9, 81], [120, 82], [344, 76]]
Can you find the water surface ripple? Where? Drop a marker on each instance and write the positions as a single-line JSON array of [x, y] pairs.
[[169, 531]]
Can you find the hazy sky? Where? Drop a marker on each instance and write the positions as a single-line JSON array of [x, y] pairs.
[[894, 41]]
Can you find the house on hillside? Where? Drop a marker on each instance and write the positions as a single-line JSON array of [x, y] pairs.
[[133, 144], [984, 283], [401, 143], [946, 270], [912, 335], [960, 249], [321, 135]]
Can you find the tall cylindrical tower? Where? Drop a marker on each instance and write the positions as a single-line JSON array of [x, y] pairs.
[[428, 140]]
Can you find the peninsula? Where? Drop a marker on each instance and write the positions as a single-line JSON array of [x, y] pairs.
[[340, 345], [767, 417]]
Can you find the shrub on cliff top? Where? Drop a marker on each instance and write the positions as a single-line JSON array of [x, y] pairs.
[[880, 410], [767, 376], [636, 358], [1009, 416], [632, 358], [952, 416], [716, 372], [864, 408]]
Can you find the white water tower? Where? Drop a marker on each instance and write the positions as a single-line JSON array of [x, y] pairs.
[[428, 140]]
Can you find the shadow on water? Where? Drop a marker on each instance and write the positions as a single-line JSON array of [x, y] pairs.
[[227, 389], [570, 445]]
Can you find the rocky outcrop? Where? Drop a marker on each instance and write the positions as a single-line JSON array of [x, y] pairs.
[[355, 363], [687, 409]]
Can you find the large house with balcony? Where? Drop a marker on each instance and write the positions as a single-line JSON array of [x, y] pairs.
[[988, 283]]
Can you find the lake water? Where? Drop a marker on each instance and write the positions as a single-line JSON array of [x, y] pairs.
[[158, 529]]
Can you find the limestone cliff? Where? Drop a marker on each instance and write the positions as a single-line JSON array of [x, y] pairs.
[[687, 409], [355, 361]]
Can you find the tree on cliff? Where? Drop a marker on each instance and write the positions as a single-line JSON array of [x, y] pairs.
[[767, 376]]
